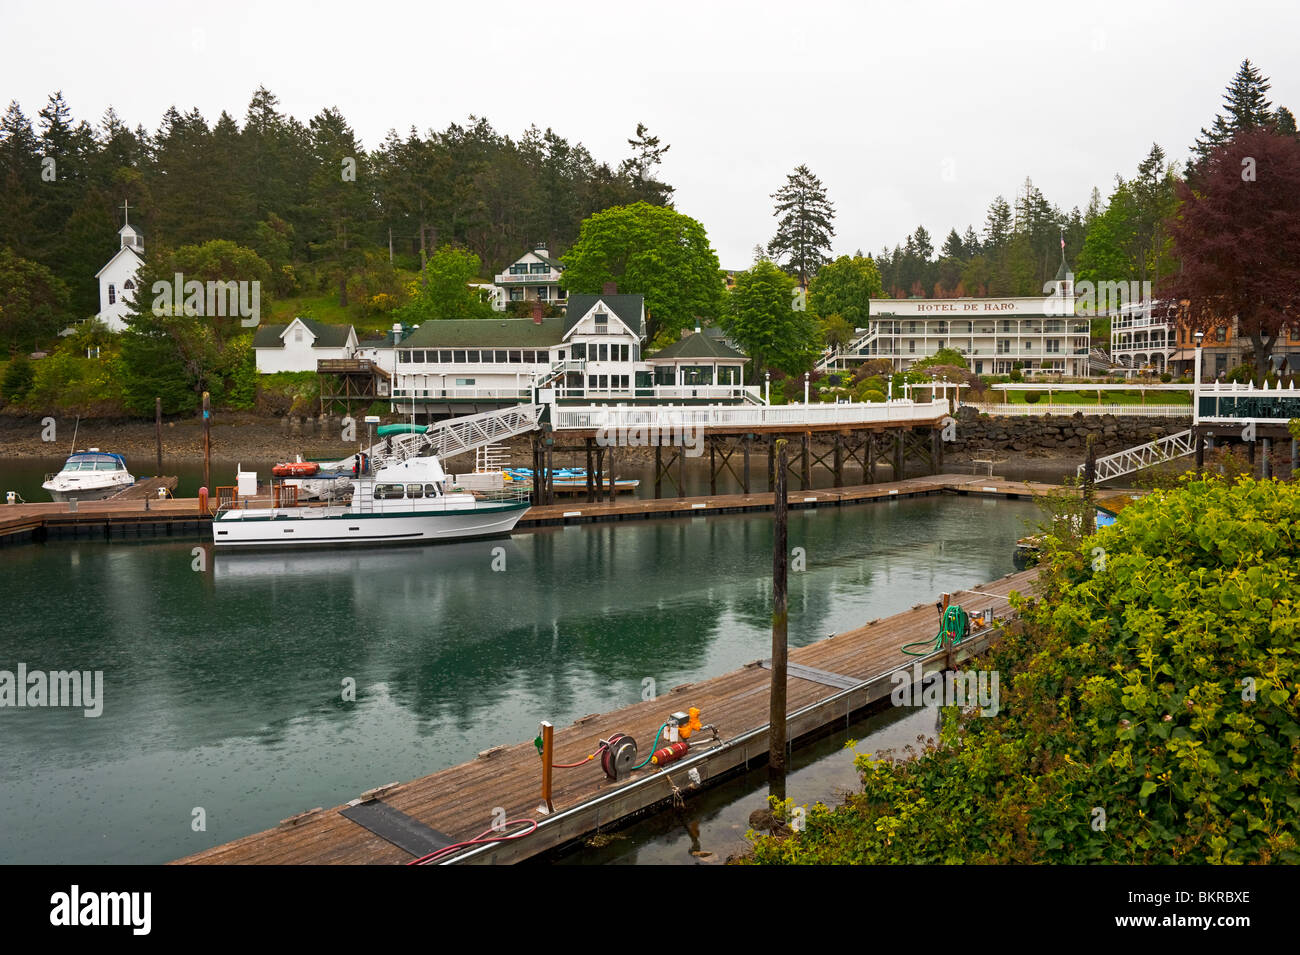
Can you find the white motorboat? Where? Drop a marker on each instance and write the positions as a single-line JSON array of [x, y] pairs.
[[403, 502], [89, 476]]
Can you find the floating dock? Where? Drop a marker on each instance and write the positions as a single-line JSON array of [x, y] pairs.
[[142, 519], [829, 682]]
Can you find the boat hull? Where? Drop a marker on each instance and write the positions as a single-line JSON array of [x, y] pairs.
[[75, 493], [332, 527]]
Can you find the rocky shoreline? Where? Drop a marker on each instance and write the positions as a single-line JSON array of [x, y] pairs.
[[249, 436]]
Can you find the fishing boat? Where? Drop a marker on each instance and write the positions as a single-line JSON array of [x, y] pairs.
[[89, 476], [409, 501]]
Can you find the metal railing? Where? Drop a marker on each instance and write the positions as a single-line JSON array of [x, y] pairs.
[[746, 416], [457, 435], [1164, 449]]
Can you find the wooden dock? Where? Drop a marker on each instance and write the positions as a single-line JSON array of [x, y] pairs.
[[145, 517], [643, 508], [828, 682], [146, 488]]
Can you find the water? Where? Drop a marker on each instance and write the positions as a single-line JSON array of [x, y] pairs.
[[711, 826], [223, 688]]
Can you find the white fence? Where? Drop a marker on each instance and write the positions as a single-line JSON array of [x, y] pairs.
[[1042, 408], [793, 416]]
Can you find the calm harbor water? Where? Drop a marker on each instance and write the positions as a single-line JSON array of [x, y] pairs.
[[223, 687]]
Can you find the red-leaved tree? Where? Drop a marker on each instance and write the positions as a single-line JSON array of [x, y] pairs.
[[1238, 238]]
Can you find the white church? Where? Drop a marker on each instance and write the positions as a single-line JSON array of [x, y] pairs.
[[117, 279]]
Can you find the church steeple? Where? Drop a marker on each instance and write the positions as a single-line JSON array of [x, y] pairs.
[[132, 238]]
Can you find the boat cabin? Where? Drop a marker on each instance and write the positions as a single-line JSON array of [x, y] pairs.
[[94, 460]]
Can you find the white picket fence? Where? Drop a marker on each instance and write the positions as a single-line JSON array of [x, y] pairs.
[[1042, 408]]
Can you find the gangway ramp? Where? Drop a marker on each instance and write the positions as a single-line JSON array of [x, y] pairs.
[[1169, 448], [457, 435]]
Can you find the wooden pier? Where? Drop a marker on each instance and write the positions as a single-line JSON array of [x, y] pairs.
[[828, 683], [146, 518]]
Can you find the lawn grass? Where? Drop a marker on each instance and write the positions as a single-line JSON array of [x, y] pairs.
[[1086, 397]]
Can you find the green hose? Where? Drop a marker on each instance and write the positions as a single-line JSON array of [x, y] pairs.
[[652, 748], [952, 628]]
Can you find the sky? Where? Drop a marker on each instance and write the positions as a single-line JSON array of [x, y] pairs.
[[914, 113]]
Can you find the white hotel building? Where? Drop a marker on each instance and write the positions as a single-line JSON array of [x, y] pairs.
[[1040, 333]]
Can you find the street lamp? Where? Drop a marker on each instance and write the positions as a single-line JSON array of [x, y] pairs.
[[805, 387], [767, 388], [1196, 381]]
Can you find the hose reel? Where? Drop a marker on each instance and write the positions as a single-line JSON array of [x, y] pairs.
[[618, 755]]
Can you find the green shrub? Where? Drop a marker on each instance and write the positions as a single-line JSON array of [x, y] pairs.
[[1166, 377], [1033, 397], [1154, 675], [18, 379], [872, 394], [1016, 375]]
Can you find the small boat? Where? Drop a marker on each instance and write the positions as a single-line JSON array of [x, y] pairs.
[[295, 469], [89, 476], [404, 502]]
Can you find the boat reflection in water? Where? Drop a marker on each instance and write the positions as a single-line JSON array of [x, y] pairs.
[[372, 565]]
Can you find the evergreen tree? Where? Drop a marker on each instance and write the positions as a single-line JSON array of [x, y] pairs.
[[1246, 106], [646, 154], [804, 230]]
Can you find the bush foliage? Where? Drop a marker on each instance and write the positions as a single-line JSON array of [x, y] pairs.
[[1153, 680]]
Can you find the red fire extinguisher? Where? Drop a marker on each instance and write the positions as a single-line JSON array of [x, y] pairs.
[[670, 753]]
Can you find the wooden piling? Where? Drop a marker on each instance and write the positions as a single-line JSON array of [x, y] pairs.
[[659, 470], [749, 439], [207, 443], [157, 421], [591, 488], [805, 470], [780, 623]]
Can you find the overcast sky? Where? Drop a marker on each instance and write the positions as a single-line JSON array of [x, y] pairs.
[[910, 112]]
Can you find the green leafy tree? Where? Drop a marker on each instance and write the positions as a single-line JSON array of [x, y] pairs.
[[845, 287], [805, 227], [17, 380], [652, 251], [761, 320], [836, 332], [34, 304], [443, 291]]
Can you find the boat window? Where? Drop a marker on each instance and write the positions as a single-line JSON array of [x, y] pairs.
[[414, 490], [430, 490], [388, 492], [106, 466]]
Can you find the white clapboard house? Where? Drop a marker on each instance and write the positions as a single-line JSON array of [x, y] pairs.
[[298, 345], [593, 354]]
